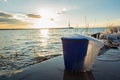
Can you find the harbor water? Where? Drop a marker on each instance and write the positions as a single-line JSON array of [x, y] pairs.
[[22, 48]]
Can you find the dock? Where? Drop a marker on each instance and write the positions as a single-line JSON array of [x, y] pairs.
[[53, 69]]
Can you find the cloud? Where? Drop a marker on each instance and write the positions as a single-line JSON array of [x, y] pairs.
[[10, 19], [63, 11], [52, 19], [33, 16], [5, 15], [67, 10]]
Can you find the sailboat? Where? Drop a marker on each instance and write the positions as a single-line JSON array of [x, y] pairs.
[[86, 27], [69, 26]]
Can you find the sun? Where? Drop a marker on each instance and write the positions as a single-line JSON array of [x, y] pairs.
[[47, 13], [47, 19]]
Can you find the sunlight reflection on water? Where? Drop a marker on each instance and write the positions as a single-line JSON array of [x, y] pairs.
[[44, 33], [45, 36]]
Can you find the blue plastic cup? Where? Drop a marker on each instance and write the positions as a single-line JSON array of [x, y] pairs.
[[74, 51]]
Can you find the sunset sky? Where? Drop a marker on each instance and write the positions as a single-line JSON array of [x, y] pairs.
[[58, 13]]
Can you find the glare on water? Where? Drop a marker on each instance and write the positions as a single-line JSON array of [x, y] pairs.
[[45, 36]]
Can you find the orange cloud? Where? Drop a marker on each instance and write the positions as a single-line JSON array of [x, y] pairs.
[[33, 16], [9, 21]]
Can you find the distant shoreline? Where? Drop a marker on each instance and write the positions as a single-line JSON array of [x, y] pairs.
[[33, 28], [45, 28]]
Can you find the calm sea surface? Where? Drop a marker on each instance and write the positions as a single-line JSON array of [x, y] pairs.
[[21, 48]]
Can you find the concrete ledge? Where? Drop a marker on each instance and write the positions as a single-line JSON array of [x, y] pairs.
[[53, 69]]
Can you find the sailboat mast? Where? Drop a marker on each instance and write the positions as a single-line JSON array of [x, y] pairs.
[[69, 24], [86, 27]]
